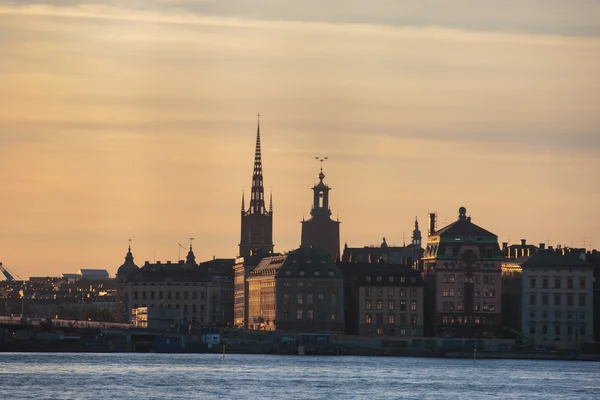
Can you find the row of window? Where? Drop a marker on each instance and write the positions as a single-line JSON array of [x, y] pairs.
[[486, 279], [485, 307], [390, 279], [168, 283], [185, 307], [545, 299], [315, 273], [309, 315], [391, 292], [449, 292], [391, 319], [308, 284], [452, 319], [543, 329], [152, 295], [558, 315], [310, 298], [557, 283], [392, 332], [391, 305]]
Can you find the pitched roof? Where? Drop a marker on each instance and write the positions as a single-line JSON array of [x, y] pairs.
[[463, 227], [553, 259]]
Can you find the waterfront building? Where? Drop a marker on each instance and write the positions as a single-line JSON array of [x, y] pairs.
[[320, 231], [462, 270], [202, 297], [556, 301], [383, 300], [301, 291], [389, 254], [520, 250]]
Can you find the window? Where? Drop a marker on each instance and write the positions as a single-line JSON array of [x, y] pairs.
[[177, 295], [333, 315], [545, 283], [569, 330], [402, 332], [391, 319], [532, 282], [413, 292], [310, 314], [391, 305], [402, 293], [459, 293], [413, 305], [135, 295], [492, 307], [194, 295], [557, 299], [444, 319], [379, 319], [368, 292], [402, 305], [185, 295], [557, 315], [570, 283], [532, 298], [486, 307], [582, 330], [379, 292], [459, 306], [368, 319], [391, 279], [532, 314], [557, 329], [288, 272], [379, 304], [544, 299], [413, 319], [557, 283], [544, 329], [368, 305], [309, 298], [286, 297], [286, 314], [532, 330], [152, 294], [581, 283], [317, 273], [477, 279], [450, 293], [379, 279], [582, 300], [333, 300], [300, 284], [391, 292], [320, 298], [476, 307], [299, 298], [570, 301], [368, 279], [144, 295], [299, 314]]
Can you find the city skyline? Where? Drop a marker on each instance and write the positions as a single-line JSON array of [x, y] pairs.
[[120, 122]]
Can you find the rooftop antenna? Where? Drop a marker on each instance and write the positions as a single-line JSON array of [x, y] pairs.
[[585, 242], [179, 254]]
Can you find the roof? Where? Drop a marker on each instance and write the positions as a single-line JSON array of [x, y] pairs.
[[94, 273], [268, 265], [552, 259], [463, 227], [308, 262]]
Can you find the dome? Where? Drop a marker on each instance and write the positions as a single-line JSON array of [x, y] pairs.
[[129, 266]]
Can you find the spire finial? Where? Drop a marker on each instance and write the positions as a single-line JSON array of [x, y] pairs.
[[271, 202], [257, 200], [243, 201], [191, 240], [129, 244]]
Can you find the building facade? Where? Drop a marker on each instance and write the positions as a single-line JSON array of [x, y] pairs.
[[302, 291], [320, 231], [383, 300], [556, 297], [201, 297], [462, 270]]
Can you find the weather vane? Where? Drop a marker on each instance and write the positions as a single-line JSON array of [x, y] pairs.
[[321, 160]]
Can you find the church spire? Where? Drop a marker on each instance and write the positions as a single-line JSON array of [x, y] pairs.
[[271, 203], [243, 202], [257, 199]]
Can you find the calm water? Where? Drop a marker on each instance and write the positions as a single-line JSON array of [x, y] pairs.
[[208, 376]]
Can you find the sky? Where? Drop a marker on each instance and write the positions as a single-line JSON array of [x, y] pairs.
[[138, 120]]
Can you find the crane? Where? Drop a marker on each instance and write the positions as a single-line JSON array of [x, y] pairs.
[[7, 274]]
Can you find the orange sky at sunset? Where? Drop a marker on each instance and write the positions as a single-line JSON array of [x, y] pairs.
[[139, 121]]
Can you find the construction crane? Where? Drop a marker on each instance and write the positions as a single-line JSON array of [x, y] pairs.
[[7, 274]]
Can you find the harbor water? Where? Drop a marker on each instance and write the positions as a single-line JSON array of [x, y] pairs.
[[212, 376]]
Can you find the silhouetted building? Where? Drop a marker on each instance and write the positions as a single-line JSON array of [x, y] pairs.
[[383, 299], [556, 300], [202, 297], [257, 221], [407, 255], [302, 291], [462, 270], [320, 231], [520, 250], [219, 267]]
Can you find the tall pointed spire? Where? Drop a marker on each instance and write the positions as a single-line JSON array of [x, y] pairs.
[[257, 199], [243, 202], [271, 203]]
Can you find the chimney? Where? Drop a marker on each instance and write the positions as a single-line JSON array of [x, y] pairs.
[[542, 246], [523, 242], [432, 218]]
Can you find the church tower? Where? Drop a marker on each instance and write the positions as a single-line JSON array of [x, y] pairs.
[[320, 231], [257, 221], [416, 235]]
